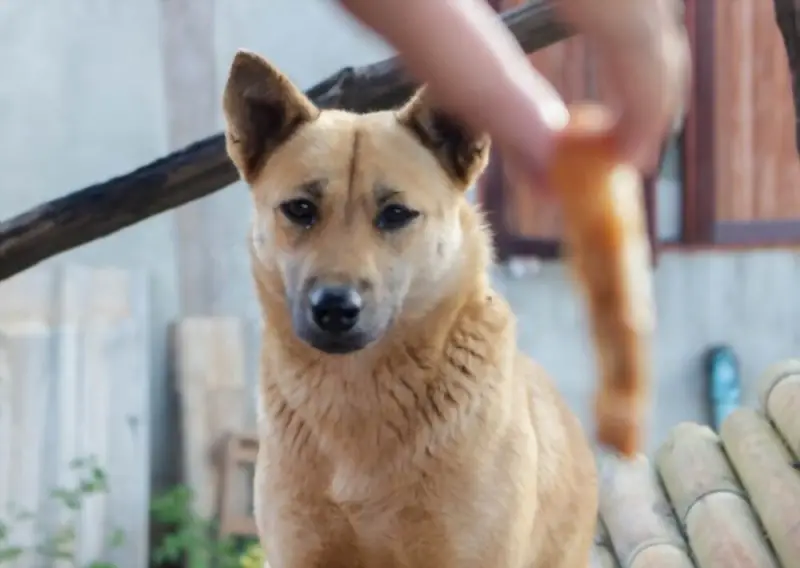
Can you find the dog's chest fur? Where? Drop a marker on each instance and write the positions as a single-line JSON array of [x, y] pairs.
[[411, 435]]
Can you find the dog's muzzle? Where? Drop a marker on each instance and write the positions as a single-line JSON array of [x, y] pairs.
[[332, 316], [335, 309]]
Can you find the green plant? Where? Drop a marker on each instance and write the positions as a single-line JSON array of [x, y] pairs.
[[253, 557], [190, 536], [60, 543]]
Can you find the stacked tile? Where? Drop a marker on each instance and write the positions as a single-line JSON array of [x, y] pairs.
[[708, 501], [780, 402], [603, 554], [763, 448], [639, 519], [763, 465]]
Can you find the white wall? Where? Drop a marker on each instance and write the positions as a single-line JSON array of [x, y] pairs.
[[86, 93], [81, 100]]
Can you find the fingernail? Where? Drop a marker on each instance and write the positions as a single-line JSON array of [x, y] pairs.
[[555, 114]]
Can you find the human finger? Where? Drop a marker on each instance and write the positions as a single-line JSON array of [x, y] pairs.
[[652, 87]]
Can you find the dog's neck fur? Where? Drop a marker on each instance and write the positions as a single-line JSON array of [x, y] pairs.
[[342, 399]]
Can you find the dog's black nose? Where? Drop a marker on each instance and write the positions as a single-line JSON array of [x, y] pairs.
[[335, 309]]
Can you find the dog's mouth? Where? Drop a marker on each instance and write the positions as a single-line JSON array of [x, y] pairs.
[[337, 343], [336, 319]]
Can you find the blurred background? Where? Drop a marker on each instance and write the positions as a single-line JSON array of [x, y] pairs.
[[127, 366]]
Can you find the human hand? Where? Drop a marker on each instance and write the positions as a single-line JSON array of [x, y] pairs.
[[644, 57], [476, 70]]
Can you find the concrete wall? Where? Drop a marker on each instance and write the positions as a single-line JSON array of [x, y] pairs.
[[90, 89], [93, 88], [744, 299], [81, 100]]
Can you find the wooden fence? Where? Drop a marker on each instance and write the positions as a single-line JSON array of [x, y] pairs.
[[74, 422], [216, 367]]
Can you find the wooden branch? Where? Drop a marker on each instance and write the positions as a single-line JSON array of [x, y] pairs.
[[787, 14], [203, 168]]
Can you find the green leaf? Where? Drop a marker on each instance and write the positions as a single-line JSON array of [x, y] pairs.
[[61, 554], [70, 499], [23, 516], [99, 479], [170, 550], [117, 538], [65, 534], [174, 506], [10, 554]]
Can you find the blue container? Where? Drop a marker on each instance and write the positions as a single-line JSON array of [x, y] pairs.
[[724, 383]]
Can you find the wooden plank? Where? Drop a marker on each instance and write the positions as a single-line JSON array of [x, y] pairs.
[[732, 113], [26, 349], [30, 366], [26, 302], [252, 332], [127, 352], [239, 451], [6, 431], [757, 171], [787, 14], [777, 169], [67, 408], [210, 366], [103, 408], [89, 409]]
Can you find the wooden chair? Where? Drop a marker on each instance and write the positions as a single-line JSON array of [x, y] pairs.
[[238, 451]]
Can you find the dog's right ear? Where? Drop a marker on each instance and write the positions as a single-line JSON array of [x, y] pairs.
[[263, 108]]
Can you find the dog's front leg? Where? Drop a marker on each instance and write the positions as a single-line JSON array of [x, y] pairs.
[[301, 531]]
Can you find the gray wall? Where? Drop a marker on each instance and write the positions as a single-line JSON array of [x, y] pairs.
[[747, 300], [94, 88], [81, 100]]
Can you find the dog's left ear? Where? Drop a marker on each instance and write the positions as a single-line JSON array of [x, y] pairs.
[[462, 153], [263, 108]]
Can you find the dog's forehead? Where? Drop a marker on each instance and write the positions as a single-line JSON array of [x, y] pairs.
[[353, 153]]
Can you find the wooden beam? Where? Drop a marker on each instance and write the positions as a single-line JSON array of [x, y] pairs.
[[203, 167], [787, 15]]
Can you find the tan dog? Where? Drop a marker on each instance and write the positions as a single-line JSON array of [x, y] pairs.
[[400, 426]]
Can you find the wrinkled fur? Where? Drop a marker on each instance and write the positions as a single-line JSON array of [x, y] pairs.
[[439, 444]]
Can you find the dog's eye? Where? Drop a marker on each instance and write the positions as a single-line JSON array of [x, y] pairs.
[[300, 212], [393, 217]]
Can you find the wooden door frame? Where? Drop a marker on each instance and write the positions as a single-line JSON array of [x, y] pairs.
[[698, 140], [700, 224]]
